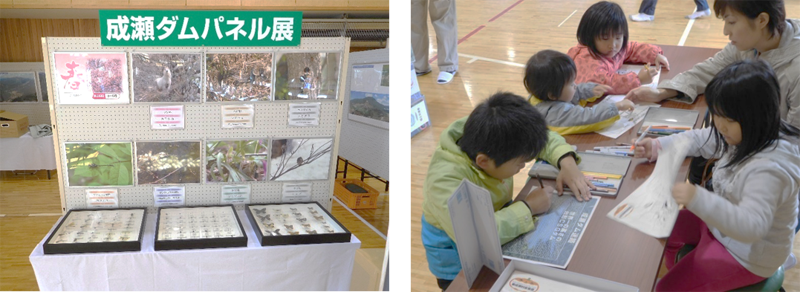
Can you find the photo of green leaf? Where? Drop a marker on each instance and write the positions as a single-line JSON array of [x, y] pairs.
[[174, 162], [99, 164], [237, 161]]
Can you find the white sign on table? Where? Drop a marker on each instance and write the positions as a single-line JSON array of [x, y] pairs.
[[102, 198], [304, 114], [169, 196], [166, 117], [237, 116], [296, 192], [235, 194]]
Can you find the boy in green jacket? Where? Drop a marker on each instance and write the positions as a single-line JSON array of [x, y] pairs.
[[488, 148]]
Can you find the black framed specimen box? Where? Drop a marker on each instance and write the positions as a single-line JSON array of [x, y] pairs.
[[97, 230], [295, 223], [198, 227]]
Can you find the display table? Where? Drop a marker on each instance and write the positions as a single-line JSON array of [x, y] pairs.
[[27, 153], [288, 267]]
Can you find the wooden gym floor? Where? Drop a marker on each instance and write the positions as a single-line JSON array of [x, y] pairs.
[[24, 194], [496, 39]]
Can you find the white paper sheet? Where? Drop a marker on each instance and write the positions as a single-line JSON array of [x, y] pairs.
[[169, 196], [237, 116], [102, 198], [651, 208], [235, 194], [304, 114], [475, 230], [166, 117], [627, 119]]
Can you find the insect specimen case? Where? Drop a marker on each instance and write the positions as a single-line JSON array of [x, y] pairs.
[[295, 223], [89, 231], [198, 227]]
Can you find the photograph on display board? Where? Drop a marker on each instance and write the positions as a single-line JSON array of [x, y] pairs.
[[238, 77], [300, 159], [237, 160], [167, 77], [91, 78], [173, 162], [99, 164], [306, 76], [43, 86], [18, 87], [369, 95]]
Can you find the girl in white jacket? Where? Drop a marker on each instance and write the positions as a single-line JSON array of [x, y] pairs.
[[743, 231]]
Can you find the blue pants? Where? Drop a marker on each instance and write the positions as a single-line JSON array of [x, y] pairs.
[[441, 252]]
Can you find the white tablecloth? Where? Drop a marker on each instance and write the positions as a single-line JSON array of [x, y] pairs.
[[290, 267], [27, 153]]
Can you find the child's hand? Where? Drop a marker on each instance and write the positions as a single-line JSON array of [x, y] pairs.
[[683, 193], [572, 176], [539, 200], [647, 148], [661, 60], [624, 105], [600, 89], [646, 75]]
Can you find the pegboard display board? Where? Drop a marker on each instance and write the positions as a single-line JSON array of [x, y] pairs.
[[37, 112], [131, 122], [363, 144]]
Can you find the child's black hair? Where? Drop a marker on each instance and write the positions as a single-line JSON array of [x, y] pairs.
[[546, 74], [307, 69], [748, 93], [752, 8], [602, 18], [504, 127]]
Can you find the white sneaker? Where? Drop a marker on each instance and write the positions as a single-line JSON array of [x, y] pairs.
[[790, 262], [699, 14], [445, 77], [642, 17]]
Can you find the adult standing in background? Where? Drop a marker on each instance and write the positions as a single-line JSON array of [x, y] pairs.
[[647, 10], [443, 18]]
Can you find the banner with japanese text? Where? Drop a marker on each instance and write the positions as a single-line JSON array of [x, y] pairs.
[[184, 28]]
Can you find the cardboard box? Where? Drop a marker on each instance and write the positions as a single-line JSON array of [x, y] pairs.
[[13, 125], [365, 200]]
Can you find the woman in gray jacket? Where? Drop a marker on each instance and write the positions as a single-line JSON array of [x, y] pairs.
[[758, 29], [743, 231]]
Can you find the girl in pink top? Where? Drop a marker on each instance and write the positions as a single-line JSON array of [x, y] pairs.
[[603, 48]]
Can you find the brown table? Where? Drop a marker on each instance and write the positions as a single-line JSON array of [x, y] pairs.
[[608, 249]]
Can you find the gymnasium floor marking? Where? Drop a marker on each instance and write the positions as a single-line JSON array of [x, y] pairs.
[[565, 19], [359, 218], [44, 214], [473, 58], [687, 30]]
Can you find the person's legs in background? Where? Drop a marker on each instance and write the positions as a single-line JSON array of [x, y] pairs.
[[443, 18], [419, 36], [647, 11], [702, 10]]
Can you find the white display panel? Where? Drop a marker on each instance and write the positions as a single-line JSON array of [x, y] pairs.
[[363, 144], [202, 121]]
